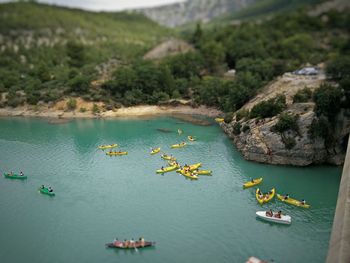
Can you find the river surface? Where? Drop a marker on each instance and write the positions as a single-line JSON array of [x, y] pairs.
[[99, 197]]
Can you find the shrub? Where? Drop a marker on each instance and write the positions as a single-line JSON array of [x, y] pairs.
[[303, 95], [82, 109], [289, 142], [228, 117], [95, 108], [287, 122], [71, 104], [246, 128], [242, 114], [237, 128], [269, 108]]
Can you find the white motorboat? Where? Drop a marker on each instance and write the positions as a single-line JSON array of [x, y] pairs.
[[285, 219]]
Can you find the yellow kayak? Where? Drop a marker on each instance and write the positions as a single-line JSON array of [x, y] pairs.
[[179, 145], [292, 201], [107, 146], [251, 184], [167, 169], [264, 198], [117, 153], [202, 172], [171, 163], [219, 119], [195, 166], [169, 158], [156, 150], [188, 174], [190, 138]]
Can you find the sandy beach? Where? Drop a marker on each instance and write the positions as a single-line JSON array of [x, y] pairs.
[[57, 111]]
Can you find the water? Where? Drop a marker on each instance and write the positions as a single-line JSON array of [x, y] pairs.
[[99, 197]]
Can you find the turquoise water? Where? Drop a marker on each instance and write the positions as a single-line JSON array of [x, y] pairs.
[[99, 197]]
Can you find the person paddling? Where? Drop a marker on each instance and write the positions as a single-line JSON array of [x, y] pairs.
[[21, 173]]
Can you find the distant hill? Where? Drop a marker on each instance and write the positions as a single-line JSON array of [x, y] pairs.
[[263, 8], [193, 10]]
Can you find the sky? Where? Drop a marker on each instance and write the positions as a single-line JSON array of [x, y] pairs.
[[106, 5]]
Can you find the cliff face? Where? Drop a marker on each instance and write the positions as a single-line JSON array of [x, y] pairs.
[[260, 144], [192, 10]]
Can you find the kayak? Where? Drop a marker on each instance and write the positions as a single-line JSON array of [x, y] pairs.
[[292, 201], [179, 145], [46, 191], [219, 119], [107, 146], [195, 166], [187, 174], [251, 184], [119, 244], [285, 219], [117, 153], [190, 138], [167, 169], [156, 150], [202, 172], [171, 163], [169, 158], [265, 199], [15, 176]]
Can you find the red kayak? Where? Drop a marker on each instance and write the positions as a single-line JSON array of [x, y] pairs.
[[137, 244]]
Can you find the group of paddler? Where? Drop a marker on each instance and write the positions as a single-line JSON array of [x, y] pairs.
[[264, 198], [111, 152]]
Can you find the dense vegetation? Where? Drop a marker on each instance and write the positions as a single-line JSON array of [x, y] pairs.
[[49, 52], [57, 56]]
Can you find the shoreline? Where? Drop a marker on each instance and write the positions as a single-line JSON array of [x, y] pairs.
[[140, 111]]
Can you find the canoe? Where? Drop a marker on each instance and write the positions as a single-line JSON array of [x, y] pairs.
[[179, 145], [190, 138], [167, 169], [251, 184], [167, 157], [119, 244], [285, 219], [264, 199], [107, 146], [292, 201], [187, 174], [219, 119], [15, 176], [117, 153], [156, 150], [202, 172], [46, 191]]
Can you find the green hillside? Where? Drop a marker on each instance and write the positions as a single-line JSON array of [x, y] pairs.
[[43, 48]]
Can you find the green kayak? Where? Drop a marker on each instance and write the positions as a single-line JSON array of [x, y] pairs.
[[46, 191], [15, 176]]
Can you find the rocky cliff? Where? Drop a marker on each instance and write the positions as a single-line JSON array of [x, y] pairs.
[[192, 10], [257, 141]]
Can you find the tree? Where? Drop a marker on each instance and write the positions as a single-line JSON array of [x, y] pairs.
[[214, 55], [79, 84], [197, 36], [328, 101], [75, 53]]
